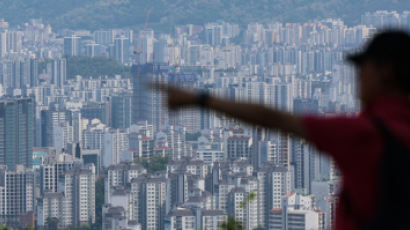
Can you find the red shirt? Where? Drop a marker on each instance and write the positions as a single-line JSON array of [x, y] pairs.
[[356, 146]]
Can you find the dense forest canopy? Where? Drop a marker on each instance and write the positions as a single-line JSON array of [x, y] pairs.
[[97, 14], [94, 67]]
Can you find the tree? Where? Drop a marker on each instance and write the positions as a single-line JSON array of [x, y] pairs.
[[95, 67], [91, 15], [82, 227], [154, 164], [231, 224], [251, 197], [52, 223], [29, 227], [99, 202]]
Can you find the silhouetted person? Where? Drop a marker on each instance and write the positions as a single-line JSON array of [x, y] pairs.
[[357, 144]]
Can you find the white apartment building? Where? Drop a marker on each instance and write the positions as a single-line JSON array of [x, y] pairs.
[[195, 218], [50, 206], [281, 185], [142, 146], [122, 174], [213, 219], [53, 169], [113, 218], [115, 141], [298, 213], [273, 183], [181, 218], [93, 135], [79, 192], [149, 202], [210, 152], [242, 209], [16, 193]]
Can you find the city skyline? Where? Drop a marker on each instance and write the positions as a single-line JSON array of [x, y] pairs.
[[81, 151]]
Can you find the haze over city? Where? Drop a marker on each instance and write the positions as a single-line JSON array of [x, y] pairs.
[[86, 143]]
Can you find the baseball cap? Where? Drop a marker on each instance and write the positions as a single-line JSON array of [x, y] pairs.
[[388, 45]]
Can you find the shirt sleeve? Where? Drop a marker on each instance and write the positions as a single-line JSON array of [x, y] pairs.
[[349, 140]]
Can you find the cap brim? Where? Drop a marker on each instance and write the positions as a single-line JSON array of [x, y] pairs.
[[356, 58]]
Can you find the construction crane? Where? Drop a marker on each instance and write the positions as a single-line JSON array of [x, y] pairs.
[[137, 50]]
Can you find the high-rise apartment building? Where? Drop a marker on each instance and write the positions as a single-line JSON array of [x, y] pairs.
[[104, 37], [122, 49], [142, 146], [16, 193], [96, 110], [303, 160], [3, 44], [195, 218], [213, 34], [59, 72], [51, 206], [115, 141], [274, 183], [146, 45], [52, 171], [95, 50], [178, 188], [33, 73], [176, 142], [182, 219], [50, 121], [74, 202], [121, 108], [213, 219], [114, 218], [298, 212], [149, 202], [122, 174], [72, 46], [19, 73], [239, 146], [149, 104], [93, 135], [243, 209], [79, 192], [16, 132], [267, 151], [14, 41]]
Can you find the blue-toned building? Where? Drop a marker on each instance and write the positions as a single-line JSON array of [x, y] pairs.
[[149, 104], [16, 132]]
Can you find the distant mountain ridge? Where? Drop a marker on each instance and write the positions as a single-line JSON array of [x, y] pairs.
[[98, 14]]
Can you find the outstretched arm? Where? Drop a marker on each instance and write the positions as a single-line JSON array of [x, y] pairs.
[[259, 115], [247, 112]]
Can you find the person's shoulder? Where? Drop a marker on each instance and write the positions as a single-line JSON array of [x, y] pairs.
[[334, 118], [338, 127]]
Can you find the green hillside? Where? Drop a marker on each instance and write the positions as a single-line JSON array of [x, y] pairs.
[[95, 67], [95, 14]]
